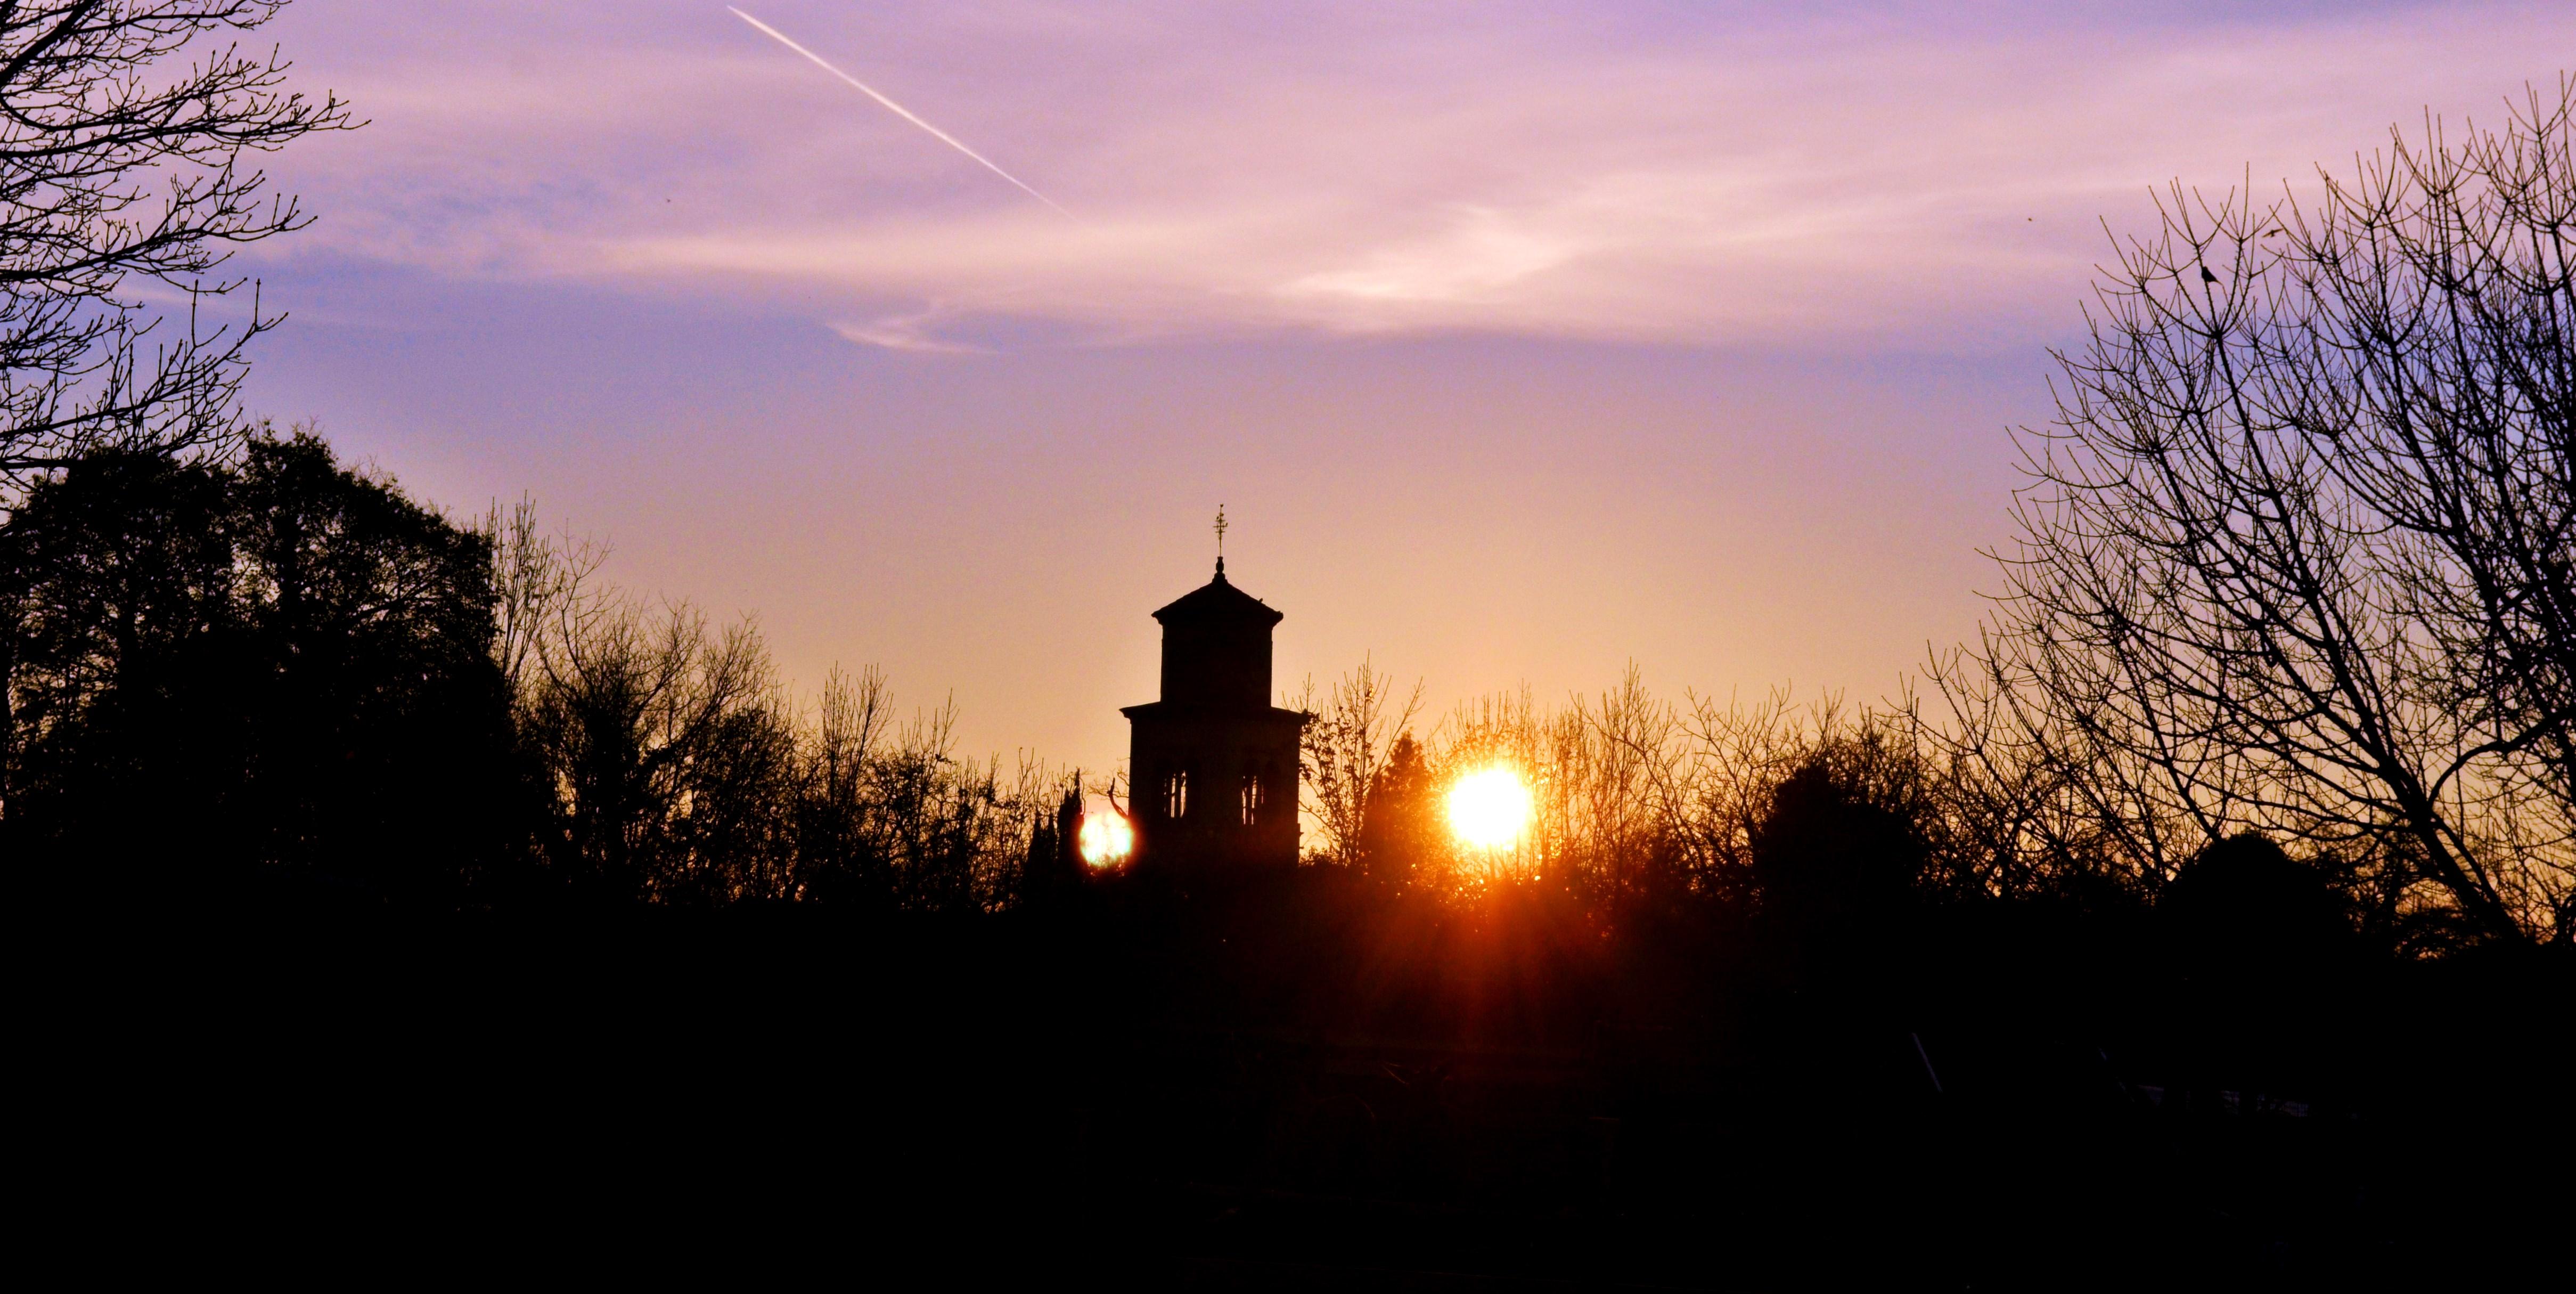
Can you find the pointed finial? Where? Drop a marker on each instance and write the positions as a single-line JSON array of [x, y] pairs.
[[1220, 539]]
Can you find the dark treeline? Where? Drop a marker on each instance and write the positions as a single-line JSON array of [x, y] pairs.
[[218, 672], [277, 673]]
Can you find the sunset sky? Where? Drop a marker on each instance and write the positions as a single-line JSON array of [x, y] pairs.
[[1520, 341]]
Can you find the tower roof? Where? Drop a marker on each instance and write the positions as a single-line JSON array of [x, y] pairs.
[[1219, 601]]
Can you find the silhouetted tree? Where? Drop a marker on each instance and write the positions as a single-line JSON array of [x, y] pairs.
[[949, 831], [669, 767], [1341, 750], [2244, 913], [379, 721], [1623, 763], [1052, 868], [1402, 835], [1842, 847], [671, 770], [125, 659], [118, 161], [2262, 950], [283, 663], [2302, 553], [839, 858]]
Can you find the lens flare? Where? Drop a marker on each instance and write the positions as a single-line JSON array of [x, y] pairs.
[[1106, 839], [1489, 808]]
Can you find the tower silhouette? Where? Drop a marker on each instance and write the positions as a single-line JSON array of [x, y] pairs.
[[1213, 764]]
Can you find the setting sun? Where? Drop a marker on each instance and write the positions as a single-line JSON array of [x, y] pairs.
[[1490, 808], [1106, 839]]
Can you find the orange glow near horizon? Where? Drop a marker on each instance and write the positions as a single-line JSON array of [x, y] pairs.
[[1489, 809], [1106, 839]]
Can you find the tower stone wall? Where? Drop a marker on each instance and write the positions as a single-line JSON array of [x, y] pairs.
[[1213, 764]]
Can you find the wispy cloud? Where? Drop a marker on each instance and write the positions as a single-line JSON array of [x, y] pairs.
[[1367, 169], [910, 333]]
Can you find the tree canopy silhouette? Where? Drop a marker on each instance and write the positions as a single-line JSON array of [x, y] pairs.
[[280, 663]]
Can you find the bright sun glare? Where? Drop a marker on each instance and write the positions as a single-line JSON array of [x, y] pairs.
[[1489, 808], [1106, 838]]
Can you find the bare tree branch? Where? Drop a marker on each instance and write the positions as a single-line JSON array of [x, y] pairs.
[[115, 167]]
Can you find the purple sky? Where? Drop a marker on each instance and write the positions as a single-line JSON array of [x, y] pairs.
[[1521, 341]]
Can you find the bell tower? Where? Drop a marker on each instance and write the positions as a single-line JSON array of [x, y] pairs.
[[1213, 764]]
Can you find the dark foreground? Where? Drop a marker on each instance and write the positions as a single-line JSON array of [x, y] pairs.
[[1281, 1086]]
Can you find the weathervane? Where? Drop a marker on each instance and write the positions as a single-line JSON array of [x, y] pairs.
[[1220, 539]]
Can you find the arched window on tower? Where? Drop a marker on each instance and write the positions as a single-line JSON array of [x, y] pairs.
[[1252, 799], [1176, 795]]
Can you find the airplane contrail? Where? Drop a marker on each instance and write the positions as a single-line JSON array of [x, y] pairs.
[[897, 108]]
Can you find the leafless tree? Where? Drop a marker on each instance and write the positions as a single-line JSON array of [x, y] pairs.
[[1637, 803], [1343, 749], [125, 180], [671, 764], [2296, 553], [1731, 758], [947, 830], [1629, 744], [836, 809], [673, 769], [536, 579]]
